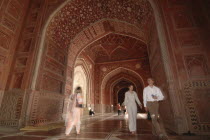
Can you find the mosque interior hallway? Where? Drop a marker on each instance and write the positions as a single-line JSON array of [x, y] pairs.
[[100, 127], [48, 48]]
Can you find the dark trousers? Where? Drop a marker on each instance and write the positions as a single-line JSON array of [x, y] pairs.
[[119, 111], [157, 124]]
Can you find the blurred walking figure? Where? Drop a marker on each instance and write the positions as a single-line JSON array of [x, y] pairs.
[[124, 109], [91, 112], [130, 102], [74, 111], [118, 109]]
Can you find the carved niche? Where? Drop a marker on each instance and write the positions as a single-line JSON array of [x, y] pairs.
[[4, 40], [17, 80], [2, 59], [196, 66]]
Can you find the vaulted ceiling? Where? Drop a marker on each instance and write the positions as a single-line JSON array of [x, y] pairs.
[[77, 15], [115, 47]]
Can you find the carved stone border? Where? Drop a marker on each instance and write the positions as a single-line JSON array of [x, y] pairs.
[[35, 104], [193, 118]]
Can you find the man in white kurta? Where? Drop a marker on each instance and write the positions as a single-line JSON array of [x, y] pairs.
[[151, 96], [130, 102]]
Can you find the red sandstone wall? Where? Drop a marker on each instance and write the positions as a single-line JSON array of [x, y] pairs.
[[47, 105], [47, 101], [188, 38], [23, 63], [12, 13], [30, 39], [159, 74], [187, 33], [187, 24]]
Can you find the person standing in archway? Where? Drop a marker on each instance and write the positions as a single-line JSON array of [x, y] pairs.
[[118, 109], [74, 111], [151, 96], [130, 102]]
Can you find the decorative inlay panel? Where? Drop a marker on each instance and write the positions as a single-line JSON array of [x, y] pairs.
[[46, 108], [197, 96], [10, 110]]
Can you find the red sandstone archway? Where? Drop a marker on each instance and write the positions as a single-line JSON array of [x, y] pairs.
[[174, 15], [119, 85], [81, 62], [87, 36], [138, 87], [111, 79], [81, 79]]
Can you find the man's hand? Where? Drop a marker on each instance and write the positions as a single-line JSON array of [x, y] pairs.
[[146, 109], [155, 97]]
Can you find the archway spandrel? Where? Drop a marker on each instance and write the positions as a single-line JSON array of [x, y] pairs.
[[128, 65]]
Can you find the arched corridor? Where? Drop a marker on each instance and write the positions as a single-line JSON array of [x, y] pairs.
[[48, 48], [80, 79]]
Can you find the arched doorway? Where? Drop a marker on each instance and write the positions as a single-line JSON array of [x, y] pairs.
[[79, 40], [80, 80], [87, 71], [119, 90], [113, 82], [121, 95], [49, 83], [121, 87]]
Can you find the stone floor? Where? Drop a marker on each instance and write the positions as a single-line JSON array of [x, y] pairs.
[[102, 127]]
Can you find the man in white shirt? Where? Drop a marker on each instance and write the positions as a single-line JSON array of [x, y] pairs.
[[151, 96]]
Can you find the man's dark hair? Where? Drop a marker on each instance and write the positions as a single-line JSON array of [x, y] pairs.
[[130, 85], [150, 78]]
